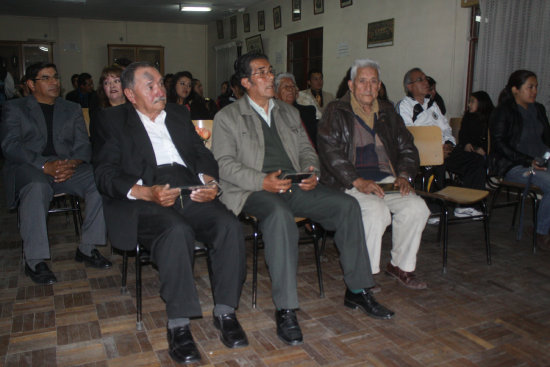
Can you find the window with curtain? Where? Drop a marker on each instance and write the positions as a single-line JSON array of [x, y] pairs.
[[513, 35]]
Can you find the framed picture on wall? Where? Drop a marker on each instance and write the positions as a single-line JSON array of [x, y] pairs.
[[380, 33], [254, 43], [233, 26], [318, 6], [246, 22], [344, 3], [277, 17], [219, 27], [261, 21], [296, 10]]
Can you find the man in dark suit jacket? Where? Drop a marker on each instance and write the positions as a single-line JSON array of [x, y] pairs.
[[47, 151], [144, 153]]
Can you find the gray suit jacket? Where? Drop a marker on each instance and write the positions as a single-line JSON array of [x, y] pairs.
[[238, 146], [23, 134]]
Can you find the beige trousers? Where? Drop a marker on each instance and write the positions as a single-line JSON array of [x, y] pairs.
[[410, 214]]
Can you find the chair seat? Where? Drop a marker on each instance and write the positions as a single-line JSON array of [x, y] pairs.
[[458, 195]]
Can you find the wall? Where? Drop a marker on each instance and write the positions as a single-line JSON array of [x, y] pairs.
[[430, 34], [81, 44]]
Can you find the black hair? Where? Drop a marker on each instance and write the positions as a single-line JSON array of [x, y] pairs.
[[484, 104], [82, 78], [32, 70], [172, 95], [385, 96], [343, 87], [129, 73], [516, 79], [314, 71], [242, 64], [431, 81]]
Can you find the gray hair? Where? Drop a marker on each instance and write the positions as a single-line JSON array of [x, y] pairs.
[[128, 75], [364, 63], [280, 77], [407, 78]]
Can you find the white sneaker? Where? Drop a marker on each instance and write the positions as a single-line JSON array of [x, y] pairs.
[[433, 220], [467, 212]]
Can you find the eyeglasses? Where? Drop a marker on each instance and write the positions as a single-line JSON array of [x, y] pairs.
[[418, 80], [47, 78], [263, 73]]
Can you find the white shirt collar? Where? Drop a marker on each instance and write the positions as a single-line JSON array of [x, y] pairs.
[[261, 111]]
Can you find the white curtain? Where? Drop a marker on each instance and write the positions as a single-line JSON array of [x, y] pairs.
[[225, 58], [513, 34]]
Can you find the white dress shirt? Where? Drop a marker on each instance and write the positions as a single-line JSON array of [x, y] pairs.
[[261, 111]]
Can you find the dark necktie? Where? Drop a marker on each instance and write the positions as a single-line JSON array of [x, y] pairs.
[[417, 110]]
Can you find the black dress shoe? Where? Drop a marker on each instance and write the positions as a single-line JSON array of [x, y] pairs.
[[288, 329], [365, 301], [96, 260], [181, 346], [232, 334], [41, 274]]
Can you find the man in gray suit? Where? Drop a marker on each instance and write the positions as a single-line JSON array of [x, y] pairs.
[[47, 151], [256, 141]]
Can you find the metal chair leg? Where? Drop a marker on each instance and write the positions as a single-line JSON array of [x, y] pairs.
[[256, 244], [318, 259], [535, 221], [444, 220], [486, 228], [139, 321], [123, 287]]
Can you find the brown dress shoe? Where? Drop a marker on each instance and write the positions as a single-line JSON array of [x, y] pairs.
[[543, 241], [407, 279]]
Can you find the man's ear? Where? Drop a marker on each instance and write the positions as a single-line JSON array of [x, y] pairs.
[[30, 85], [245, 82], [350, 84], [130, 95]]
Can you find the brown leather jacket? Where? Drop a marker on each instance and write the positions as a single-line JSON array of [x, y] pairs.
[[335, 141]]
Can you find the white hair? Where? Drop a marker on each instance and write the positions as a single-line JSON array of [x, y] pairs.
[[280, 77], [364, 63]]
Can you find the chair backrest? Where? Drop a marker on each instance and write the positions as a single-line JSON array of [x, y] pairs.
[[455, 123], [427, 140], [204, 129], [86, 114]]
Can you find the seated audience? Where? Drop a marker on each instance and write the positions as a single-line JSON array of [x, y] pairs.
[[237, 90], [223, 98], [343, 86], [473, 133], [418, 110], [47, 152], [201, 108], [434, 96], [257, 140], [287, 91], [364, 144], [520, 136], [144, 153], [168, 80], [383, 94], [315, 95], [84, 94], [109, 91]]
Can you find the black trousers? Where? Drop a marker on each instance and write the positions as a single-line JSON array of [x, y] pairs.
[[469, 166], [170, 233]]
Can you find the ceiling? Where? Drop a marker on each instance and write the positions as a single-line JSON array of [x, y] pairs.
[[166, 11]]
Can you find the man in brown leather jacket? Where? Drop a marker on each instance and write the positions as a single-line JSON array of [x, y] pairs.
[[366, 150]]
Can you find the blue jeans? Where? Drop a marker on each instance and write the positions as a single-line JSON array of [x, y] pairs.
[[542, 180]]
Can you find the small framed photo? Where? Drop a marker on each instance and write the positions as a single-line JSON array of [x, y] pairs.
[[277, 17], [296, 10], [246, 22], [261, 21], [254, 43], [233, 26], [380, 33], [344, 3], [318, 6], [219, 27]]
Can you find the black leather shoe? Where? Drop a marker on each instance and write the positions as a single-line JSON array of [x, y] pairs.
[[181, 346], [288, 329], [96, 260], [41, 274], [365, 301], [231, 333]]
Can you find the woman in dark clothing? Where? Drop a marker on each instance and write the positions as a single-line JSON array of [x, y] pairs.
[[201, 108], [475, 123], [520, 135], [180, 90]]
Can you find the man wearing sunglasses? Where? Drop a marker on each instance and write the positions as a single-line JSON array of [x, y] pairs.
[[47, 151]]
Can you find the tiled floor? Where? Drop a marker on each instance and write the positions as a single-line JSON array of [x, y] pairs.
[[475, 315]]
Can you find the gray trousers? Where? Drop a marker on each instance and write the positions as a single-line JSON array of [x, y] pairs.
[[334, 210], [35, 191]]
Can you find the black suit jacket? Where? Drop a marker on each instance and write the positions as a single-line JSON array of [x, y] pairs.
[[123, 154], [309, 119]]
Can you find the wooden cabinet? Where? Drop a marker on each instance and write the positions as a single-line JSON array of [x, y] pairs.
[[151, 54], [16, 55]]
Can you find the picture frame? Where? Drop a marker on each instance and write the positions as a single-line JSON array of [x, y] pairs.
[[261, 21], [296, 10], [318, 6], [277, 17], [380, 34], [246, 22], [219, 28], [255, 43], [344, 3], [233, 26]]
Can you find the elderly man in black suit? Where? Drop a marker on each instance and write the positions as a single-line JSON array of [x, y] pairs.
[[144, 154], [47, 151]]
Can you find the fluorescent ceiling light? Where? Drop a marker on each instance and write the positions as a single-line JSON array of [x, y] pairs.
[[194, 8], [43, 48]]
